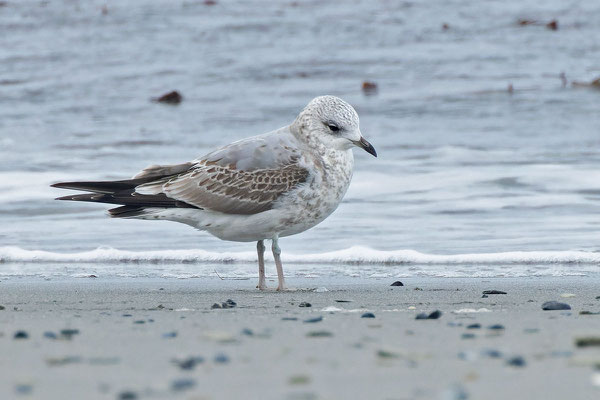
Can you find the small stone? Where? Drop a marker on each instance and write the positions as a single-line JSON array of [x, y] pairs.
[[474, 326], [397, 283], [69, 333], [23, 388], [313, 320], [139, 322], [179, 385], [2, 308], [496, 327], [435, 315], [491, 353], [170, 98], [127, 315], [468, 336], [343, 301], [368, 315], [216, 305], [493, 292], [588, 341], [127, 395], [387, 354], [160, 307], [304, 304], [190, 363], [485, 296], [289, 319], [221, 358], [555, 305], [597, 297], [231, 303], [247, 332], [516, 361], [50, 335], [421, 316], [169, 335], [92, 276], [21, 335], [418, 288], [319, 334]]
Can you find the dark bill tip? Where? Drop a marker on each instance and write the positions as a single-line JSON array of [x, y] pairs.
[[368, 147]]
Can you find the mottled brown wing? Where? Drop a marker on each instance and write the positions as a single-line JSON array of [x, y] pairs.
[[226, 189]]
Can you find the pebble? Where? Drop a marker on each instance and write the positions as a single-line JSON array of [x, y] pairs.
[[319, 334], [23, 388], [169, 335], [139, 321], [2, 308], [496, 327], [190, 363], [216, 305], [172, 97], [485, 296], [247, 332], [433, 315], [289, 319], [397, 283], [343, 301], [588, 341], [221, 358], [21, 335], [474, 326], [555, 305], [50, 335], [304, 304], [516, 361], [182, 384], [68, 333], [491, 353], [299, 380], [127, 315], [493, 292], [127, 395], [368, 315], [468, 336], [313, 320]]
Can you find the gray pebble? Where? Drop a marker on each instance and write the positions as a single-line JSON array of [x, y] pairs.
[[304, 304], [289, 319], [474, 326], [216, 305], [23, 389], [496, 327], [169, 335], [468, 336], [221, 358], [397, 283], [182, 384], [139, 322], [313, 320], [68, 333], [555, 305], [491, 353], [433, 315], [493, 292], [247, 332], [190, 363], [485, 296], [127, 395], [21, 335], [516, 361], [368, 315], [50, 335]]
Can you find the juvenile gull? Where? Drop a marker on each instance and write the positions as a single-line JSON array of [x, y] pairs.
[[264, 187]]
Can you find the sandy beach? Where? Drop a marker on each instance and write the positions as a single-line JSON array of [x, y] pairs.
[[98, 338]]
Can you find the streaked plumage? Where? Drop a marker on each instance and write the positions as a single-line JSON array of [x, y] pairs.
[[263, 187]]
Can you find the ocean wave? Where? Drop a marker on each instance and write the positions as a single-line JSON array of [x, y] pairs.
[[354, 255]]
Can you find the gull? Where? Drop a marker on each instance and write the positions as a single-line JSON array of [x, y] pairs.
[[260, 188]]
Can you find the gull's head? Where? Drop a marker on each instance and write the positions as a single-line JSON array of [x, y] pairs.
[[330, 121]]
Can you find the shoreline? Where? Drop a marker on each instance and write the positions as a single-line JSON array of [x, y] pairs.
[[160, 338]]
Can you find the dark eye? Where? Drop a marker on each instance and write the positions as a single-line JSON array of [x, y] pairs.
[[333, 128]]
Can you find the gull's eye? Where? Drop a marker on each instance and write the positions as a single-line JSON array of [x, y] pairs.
[[333, 127]]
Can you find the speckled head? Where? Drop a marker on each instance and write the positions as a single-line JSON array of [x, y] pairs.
[[330, 122]]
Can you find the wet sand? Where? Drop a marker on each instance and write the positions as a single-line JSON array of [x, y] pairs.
[[159, 338]]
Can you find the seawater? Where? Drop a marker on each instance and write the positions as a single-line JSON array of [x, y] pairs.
[[466, 166]]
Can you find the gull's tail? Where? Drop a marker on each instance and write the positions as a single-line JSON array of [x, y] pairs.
[[121, 192]]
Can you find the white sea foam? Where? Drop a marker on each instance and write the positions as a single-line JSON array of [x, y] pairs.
[[352, 255], [352, 262]]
